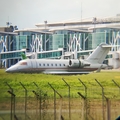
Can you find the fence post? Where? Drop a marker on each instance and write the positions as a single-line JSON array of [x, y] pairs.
[[40, 97], [85, 93], [69, 97], [102, 98], [37, 96], [13, 96], [84, 109], [108, 108], [11, 100], [25, 98], [60, 114]]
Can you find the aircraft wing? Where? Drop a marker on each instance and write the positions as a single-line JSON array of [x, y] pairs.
[[64, 72]]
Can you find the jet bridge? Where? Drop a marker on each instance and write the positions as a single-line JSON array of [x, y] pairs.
[[11, 57], [11, 54]]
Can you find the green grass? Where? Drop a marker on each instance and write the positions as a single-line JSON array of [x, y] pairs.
[[42, 80], [94, 91]]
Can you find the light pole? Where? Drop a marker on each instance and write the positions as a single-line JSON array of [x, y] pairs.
[[94, 22], [45, 24]]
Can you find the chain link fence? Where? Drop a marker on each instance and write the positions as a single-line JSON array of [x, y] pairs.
[[87, 103]]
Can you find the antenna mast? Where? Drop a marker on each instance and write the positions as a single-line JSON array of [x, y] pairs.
[[81, 14]]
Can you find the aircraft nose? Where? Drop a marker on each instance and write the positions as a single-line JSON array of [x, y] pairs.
[[8, 70], [11, 69]]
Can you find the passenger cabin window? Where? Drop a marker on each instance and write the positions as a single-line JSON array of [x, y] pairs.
[[43, 64], [59, 64], [51, 64], [47, 64], [55, 64], [63, 64], [39, 64], [23, 63]]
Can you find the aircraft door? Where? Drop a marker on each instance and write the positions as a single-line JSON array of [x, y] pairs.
[[33, 63]]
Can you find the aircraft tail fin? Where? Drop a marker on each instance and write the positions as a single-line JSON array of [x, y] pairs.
[[99, 54]]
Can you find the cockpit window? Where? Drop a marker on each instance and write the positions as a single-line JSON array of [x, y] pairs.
[[23, 63]]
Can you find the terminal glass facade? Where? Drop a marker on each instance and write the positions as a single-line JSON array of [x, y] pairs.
[[7, 43], [34, 41], [69, 40], [58, 41], [101, 36], [98, 38], [21, 42]]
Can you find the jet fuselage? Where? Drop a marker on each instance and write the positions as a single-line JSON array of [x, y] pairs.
[[52, 66], [64, 66]]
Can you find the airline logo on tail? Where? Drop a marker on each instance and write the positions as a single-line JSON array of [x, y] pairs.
[[23, 56]]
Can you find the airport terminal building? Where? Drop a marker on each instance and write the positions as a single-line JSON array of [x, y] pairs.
[[52, 40]]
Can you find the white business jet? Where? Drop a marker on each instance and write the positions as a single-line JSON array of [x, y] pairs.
[[64, 66]]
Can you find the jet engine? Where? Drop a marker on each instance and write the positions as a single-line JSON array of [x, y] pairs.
[[78, 63]]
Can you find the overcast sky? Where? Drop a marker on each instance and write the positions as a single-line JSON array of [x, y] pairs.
[[27, 13]]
